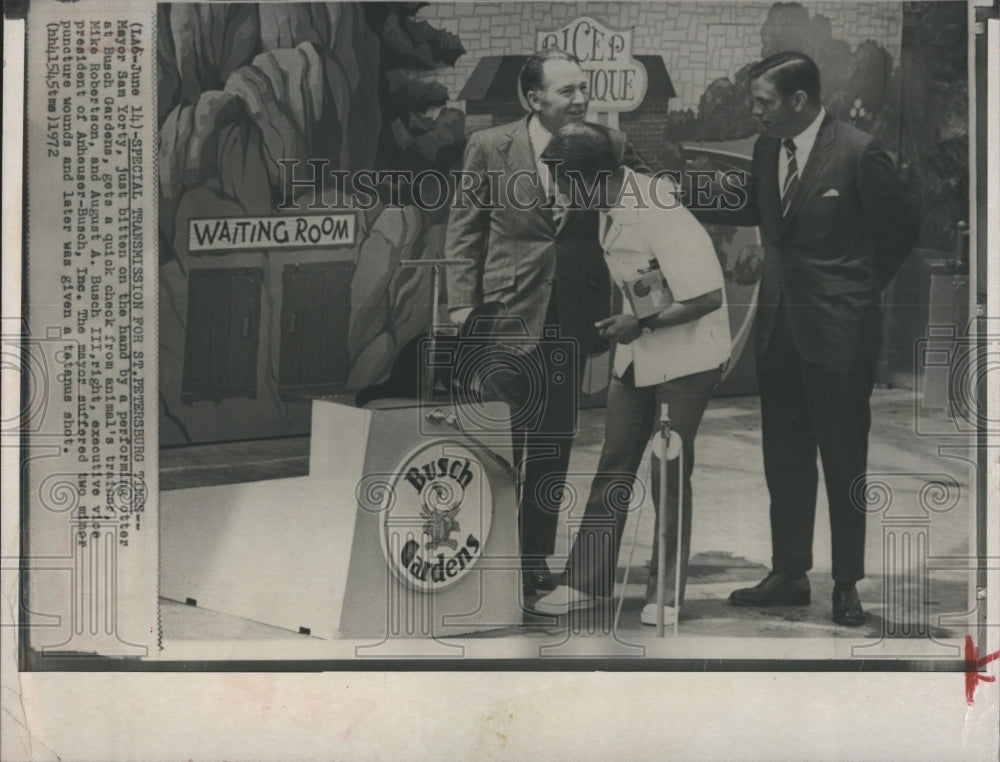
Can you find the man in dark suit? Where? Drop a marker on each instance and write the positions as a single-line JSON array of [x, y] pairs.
[[836, 226], [545, 265]]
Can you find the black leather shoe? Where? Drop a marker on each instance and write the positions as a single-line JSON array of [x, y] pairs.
[[538, 580], [776, 589], [847, 608]]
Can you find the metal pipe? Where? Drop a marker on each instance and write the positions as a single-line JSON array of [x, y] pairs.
[[661, 560], [432, 333], [680, 537], [428, 356]]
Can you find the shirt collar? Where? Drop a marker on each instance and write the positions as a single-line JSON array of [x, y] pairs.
[[539, 135], [623, 212], [805, 139], [625, 203]]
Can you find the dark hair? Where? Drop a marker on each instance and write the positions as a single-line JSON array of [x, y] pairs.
[[790, 72], [532, 77], [582, 147]]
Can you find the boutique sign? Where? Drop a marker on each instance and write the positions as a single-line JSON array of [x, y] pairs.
[[617, 80]]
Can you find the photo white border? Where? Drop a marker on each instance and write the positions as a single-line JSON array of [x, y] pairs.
[[496, 715]]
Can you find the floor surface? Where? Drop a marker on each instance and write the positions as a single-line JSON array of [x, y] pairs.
[[730, 541]]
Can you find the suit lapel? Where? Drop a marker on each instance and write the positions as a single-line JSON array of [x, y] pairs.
[[766, 175], [517, 152], [567, 215], [818, 158]]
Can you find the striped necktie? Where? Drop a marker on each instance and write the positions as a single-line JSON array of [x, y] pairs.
[[791, 178]]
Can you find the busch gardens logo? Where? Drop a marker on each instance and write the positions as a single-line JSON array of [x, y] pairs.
[[435, 530]]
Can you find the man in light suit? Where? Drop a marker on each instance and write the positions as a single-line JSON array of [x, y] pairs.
[[836, 226], [544, 264]]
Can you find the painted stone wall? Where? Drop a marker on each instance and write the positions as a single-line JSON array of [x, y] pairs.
[[700, 42], [905, 61], [934, 120]]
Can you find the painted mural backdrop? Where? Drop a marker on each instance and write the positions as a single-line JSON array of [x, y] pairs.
[[242, 86]]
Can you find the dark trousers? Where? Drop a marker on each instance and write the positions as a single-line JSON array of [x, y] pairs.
[[632, 417], [542, 389], [807, 407]]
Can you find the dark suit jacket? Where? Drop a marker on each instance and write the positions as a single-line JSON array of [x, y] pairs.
[[847, 231], [519, 255]]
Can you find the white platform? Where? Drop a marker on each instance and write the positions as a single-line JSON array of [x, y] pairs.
[[311, 553]]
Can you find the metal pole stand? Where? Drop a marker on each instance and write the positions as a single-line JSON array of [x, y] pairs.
[[435, 265], [669, 446]]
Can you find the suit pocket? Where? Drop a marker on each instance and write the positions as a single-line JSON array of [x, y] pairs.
[[821, 199], [836, 287], [497, 279], [819, 217], [822, 207]]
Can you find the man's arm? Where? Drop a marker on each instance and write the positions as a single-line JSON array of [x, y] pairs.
[[888, 211], [626, 328], [688, 263], [692, 270], [732, 198], [734, 203], [679, 313], [468, 229]]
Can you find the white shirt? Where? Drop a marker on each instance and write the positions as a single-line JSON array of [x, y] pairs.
[[641, 230], [540, 137], [804, 143]]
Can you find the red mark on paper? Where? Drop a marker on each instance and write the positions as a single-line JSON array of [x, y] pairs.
[[973, 663]]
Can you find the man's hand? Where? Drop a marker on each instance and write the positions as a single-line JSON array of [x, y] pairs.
[[460, 315], [622, 328]]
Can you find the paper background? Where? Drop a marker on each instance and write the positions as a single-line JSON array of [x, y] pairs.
[[454, 715]]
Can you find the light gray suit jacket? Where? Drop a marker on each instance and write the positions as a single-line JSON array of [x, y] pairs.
[[520, 257]]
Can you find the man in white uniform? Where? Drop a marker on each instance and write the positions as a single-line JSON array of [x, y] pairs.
[[672, 342]]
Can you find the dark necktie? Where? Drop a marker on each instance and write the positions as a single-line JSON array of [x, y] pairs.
[[791, 178], [559, 206]]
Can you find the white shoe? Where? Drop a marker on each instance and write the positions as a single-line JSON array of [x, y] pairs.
[[648, 615], [563, 600]]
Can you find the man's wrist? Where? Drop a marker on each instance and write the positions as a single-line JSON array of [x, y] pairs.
[[648, 323]]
